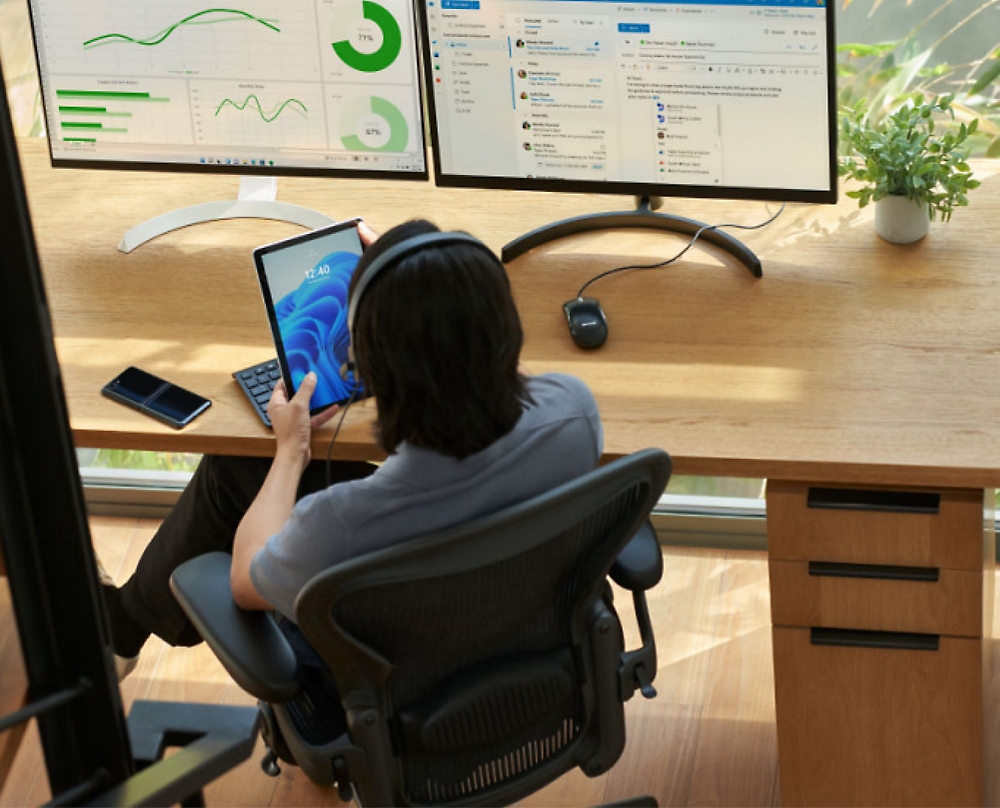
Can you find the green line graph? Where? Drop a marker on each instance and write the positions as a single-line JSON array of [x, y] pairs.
[[266, 116], [230, 15]]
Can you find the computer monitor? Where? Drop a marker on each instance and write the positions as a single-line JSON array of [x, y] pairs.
[[300, 87], [652, 98]]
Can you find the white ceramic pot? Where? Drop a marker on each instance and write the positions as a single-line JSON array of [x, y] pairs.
[[901, 220]]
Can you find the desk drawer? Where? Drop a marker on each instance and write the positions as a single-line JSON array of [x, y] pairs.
[[868, 525], [869, 725], [876, 597]]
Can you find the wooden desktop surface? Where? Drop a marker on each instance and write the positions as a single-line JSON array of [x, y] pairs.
[[851, 360]]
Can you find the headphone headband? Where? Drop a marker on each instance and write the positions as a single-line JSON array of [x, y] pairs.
[[392, 255], [398, 251]]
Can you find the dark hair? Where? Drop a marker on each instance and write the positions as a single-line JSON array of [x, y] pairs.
[[437, 340]]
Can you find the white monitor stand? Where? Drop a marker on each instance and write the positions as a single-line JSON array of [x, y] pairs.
[[256, 200]]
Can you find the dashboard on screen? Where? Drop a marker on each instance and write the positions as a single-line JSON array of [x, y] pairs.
[[296, 86], [725, 98]]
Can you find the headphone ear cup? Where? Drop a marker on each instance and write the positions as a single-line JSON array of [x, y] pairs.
[[350, 366]]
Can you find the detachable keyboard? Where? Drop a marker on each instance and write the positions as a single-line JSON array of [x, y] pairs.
[[258, 381]]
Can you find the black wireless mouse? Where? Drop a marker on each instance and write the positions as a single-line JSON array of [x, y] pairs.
[[587, 324]]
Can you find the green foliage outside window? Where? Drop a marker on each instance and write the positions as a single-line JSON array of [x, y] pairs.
[[881, 77], [140, 461]]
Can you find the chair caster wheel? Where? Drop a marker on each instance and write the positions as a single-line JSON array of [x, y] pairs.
[[269, 763]]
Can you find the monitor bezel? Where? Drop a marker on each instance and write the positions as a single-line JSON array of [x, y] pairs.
[[637, 189], [424, 175]]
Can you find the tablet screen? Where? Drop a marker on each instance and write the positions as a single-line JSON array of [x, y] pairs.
[[304, 281]]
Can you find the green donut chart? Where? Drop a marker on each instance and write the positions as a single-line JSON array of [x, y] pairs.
[[373, 124], [392, 42]]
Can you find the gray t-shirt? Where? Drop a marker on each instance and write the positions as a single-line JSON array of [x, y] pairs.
[[419, 491]]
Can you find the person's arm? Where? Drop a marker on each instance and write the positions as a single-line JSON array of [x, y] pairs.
[[276, 498]]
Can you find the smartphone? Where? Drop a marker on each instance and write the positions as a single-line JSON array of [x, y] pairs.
[[156, 397]]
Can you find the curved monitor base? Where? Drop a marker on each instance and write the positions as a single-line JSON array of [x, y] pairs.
[[643, 216], [226, 209]]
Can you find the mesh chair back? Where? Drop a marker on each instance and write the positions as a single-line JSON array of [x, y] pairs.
[[471, 640]]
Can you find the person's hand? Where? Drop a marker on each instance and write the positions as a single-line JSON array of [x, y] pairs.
[[291, 421], [368, 236]]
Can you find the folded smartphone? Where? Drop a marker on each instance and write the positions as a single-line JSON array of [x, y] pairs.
[[156, 397]]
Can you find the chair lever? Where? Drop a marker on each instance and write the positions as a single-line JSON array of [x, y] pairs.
[[645, 685], [269, 763], [344, 788]]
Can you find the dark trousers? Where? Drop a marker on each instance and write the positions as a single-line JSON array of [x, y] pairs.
[[204, 520]]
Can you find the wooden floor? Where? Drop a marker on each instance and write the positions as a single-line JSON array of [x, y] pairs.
[[707, 739]]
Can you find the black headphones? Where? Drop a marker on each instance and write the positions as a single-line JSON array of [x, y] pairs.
[[390, 257]]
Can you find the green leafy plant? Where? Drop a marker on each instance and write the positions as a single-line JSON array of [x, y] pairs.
[[907, 154]]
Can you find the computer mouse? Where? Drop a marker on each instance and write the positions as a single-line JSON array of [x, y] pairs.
[[587, 324]]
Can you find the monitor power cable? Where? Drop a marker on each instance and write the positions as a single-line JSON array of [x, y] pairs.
[[687, 247]]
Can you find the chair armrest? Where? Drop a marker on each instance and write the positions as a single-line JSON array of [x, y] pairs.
[[249, 645], [639, 565]]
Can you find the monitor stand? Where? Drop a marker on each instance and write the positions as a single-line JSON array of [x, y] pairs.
[[644, 215], [256, 200]]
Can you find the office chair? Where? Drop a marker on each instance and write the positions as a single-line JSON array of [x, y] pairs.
[[475, 665]]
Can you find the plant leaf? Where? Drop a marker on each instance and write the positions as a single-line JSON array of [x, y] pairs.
[[898, 85], [986, 78], [859, 50]]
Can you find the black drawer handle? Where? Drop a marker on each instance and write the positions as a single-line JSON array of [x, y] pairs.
[[885, 572], [896, 640], [860, 499]]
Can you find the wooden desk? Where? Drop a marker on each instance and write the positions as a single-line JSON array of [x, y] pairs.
[[852, 363]]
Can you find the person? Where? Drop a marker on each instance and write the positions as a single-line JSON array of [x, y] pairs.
[[437, 340]]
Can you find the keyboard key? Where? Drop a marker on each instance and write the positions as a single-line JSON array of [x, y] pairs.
[[257, 383]]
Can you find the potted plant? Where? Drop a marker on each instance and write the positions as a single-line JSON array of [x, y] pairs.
[[910, 168]]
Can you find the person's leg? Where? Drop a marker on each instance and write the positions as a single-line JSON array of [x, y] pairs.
[[204, 520]]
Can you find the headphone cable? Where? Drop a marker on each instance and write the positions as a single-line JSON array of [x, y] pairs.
[[689, 245], [336, 431]]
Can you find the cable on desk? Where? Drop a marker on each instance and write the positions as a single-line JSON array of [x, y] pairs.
[[689, 245]]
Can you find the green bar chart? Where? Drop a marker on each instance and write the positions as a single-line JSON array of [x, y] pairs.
[[98, 112]]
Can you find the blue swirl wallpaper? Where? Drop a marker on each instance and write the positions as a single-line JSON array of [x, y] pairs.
[[312, 319]]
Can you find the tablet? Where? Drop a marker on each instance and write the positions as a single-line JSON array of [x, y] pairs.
[[304, 282]]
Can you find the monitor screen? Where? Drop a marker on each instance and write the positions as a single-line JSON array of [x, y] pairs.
[[296, 87], [708, 98]]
